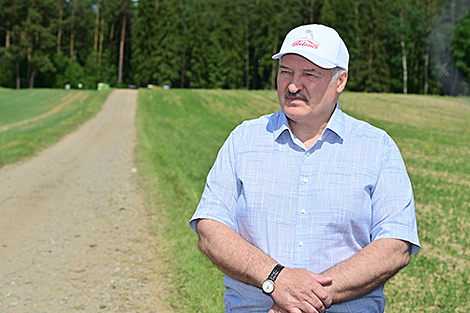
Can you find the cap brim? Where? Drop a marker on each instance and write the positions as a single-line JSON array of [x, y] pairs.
[[315, 59]]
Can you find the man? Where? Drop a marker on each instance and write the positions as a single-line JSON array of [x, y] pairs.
[[308, 209]]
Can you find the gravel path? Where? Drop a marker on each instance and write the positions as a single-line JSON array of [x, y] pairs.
[[73, 230]]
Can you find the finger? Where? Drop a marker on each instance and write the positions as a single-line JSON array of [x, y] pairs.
[[321, 298], [320, 292], [312, 305], [277, 309], [315, 300], [322, 280]]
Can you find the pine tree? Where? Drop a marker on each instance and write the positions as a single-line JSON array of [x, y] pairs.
[[232, 37], [220, 44], [428, 10], [461, 50], [217, 63], [171, 41], [374, 72], [39, 29], [144, 43]]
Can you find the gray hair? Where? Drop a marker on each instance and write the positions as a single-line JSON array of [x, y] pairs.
[[335, 73]]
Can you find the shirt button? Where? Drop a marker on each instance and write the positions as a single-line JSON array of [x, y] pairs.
[[301, 244], [305, 180], [307, 153], [302, 211]]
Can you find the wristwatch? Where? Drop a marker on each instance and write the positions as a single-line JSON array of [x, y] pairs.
[[268, 284]]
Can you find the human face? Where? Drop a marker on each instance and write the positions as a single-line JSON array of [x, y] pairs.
[[305, 91]]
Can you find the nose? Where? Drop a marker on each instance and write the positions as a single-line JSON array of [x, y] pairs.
[[295, 84], [293, 88]]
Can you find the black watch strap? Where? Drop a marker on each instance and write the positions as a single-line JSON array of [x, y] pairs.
[[275, 272]]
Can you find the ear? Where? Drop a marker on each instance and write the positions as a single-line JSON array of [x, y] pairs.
[[341, 81]]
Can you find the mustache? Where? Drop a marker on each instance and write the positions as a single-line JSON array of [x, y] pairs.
[[297, 95]]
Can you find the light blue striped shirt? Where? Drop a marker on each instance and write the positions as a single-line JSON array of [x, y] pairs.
[[310, 208]]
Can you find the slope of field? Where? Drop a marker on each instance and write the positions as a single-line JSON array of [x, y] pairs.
[[31, 120], [180, 132]]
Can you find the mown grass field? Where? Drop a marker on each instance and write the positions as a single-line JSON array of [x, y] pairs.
[[31, 120], [180, 132]]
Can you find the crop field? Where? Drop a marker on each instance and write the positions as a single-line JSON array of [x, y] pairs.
[[180, 132], [31, 120]]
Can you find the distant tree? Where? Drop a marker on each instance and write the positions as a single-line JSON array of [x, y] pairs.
[[394, 46], [144, 44], [172, 38], [60, 25], [266, 32], [217, 67], [461, 46], [374, 71], [196, 41], [272, 22], [328, 12], [97, 26], [7, 72], [232, 40], [69, 72], [83, 30], [404, 44], [427, 11], [126, 12], [15, 12], [341, 15], [39, 31], [444, 66], [72, 30]]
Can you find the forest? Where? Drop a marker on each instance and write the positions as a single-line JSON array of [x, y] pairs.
[[399, 46]]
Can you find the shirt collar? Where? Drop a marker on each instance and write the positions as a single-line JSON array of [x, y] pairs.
[[282, 125], [335, 124]]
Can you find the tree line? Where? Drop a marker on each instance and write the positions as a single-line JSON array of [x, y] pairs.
[[229, 43]]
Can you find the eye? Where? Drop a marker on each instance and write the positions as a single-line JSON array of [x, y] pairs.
[[285, 73], [313, 75]]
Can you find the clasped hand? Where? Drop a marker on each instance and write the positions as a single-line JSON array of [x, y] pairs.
[[300, 291]]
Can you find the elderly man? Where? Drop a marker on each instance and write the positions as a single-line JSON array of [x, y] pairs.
[[308, 209]]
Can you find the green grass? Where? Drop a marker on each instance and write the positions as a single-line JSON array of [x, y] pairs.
[[31, 120], [18, 105], [180, 132], [434, 137]]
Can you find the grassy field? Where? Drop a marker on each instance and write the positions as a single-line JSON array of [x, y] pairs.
[[180, 132], [31, 120]]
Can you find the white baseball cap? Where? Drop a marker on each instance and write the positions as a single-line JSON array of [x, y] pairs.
[[319, 44]]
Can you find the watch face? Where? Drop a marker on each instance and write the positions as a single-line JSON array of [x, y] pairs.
[[268, 286]]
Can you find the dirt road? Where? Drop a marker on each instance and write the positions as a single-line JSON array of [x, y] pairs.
[[73, 230]]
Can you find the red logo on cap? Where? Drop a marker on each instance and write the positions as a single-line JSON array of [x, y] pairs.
[[305, 43]]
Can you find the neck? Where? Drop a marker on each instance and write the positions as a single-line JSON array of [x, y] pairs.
[[308, 134], [309, 131]]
